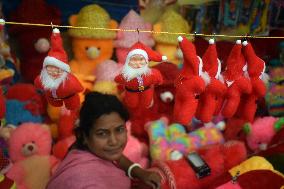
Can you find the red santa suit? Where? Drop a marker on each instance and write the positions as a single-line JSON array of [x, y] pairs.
[[256, 68], [139, 90], [66, 91], [235, 80], [215, 89], [189, 84]]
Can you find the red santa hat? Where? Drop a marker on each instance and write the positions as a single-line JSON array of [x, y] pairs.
[[211, 63], [235, 62], [256, 66], [57, 55], [146, 52]]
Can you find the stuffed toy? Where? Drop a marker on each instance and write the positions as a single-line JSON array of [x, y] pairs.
[[164, 95], [124, 40], [33, 41], [135, 150], [138, 79], [66, 123], [255, 67], [55, 79], [164, 140], [34, 99], [29, 150], [215, 89], [235, 80], [189, 84], [90, 47], [105, 74], [61, 147], [261, 132], [170, 21], [220, 158], [254, 173], [9, 64], [7, 183]]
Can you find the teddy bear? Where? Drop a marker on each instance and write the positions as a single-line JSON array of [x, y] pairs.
[[170, 21], [237, 84], [189, 84], [90, 47], [256, 71], [105, 73], [166, 140], [178, 174], [124, 40], [215, 89], [33, 41], [29, 150], [260, 133]]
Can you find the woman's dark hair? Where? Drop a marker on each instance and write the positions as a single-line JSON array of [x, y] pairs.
[[94, 106]]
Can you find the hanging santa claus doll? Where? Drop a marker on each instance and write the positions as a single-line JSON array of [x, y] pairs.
[[137, 78], [59, 85]]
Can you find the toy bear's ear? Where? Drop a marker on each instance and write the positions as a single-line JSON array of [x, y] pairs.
[[247, 128], [279, 124], [73, 20]]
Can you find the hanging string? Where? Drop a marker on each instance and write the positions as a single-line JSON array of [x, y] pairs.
[[144, 31]]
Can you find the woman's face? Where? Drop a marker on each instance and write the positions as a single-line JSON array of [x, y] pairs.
[[108, 137]]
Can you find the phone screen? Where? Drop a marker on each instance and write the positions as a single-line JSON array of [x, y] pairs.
[[195, 159]]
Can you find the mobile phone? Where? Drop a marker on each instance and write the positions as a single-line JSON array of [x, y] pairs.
[[199, 166]]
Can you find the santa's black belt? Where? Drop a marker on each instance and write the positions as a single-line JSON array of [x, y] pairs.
[[63, 98], [140, 89]]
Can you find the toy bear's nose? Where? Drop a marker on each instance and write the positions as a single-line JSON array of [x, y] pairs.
[[30, 148]]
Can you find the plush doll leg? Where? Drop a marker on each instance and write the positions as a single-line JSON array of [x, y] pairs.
[[206, 108], [54, 102], [231, 103], [131, 99], [247, 108], [184, 111], [72, 103]]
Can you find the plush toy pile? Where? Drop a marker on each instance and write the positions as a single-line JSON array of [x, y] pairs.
[[179, 100]]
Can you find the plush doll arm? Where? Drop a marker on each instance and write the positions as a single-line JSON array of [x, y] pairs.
[[259, 88], [75, 83], [157, 77], [244, 85], [54, 162], [17, 173], [199, 85], [38, 83], [217, 87], [119, 79]]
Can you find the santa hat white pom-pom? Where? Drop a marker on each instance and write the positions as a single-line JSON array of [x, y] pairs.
[[211, 41], [55, 30], [245, 43], [180, 38], [2, 21], [164, 58], [238, 42]]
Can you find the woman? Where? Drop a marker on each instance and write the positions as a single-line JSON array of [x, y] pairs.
[[96, 160]]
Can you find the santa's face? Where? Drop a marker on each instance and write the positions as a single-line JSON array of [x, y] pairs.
[[136, 66], [51, 77], [54, 71], [137, 61]]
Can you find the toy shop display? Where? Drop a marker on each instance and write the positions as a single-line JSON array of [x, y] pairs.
[[205, 110]]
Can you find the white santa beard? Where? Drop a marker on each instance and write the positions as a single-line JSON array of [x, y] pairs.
[[131, 73], [50, 83]]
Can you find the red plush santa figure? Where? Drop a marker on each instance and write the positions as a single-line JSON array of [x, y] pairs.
[[189, 84], [138, 79], [215, 89], [55, 79], [255, 68], [235, 80]]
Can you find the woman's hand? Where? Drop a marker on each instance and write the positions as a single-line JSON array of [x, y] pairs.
[[151, 178]]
